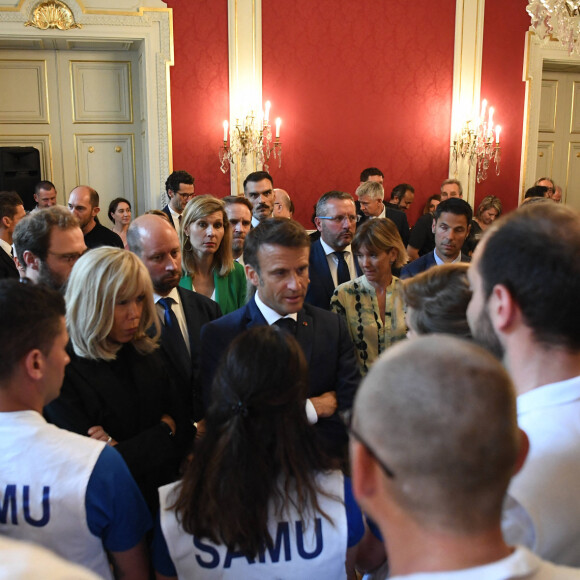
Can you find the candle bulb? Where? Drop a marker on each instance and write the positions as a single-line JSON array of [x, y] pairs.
[[226, 125], [497, 132], [267, 112], [278, 123]]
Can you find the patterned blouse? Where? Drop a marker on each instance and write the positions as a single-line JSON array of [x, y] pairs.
[[356, 301]]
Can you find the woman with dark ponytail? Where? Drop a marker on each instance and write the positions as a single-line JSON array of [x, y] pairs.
[[259, 499]]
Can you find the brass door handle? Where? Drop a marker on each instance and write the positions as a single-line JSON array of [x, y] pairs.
[[91, 149]]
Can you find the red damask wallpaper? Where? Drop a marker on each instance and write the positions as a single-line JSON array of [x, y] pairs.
[[359, 84], [200, 90], [505, 28]]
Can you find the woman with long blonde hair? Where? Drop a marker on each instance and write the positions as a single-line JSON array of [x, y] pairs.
[[208, 264]]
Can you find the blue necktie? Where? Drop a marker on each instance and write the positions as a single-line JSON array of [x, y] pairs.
[[173, 336], [342, 271]]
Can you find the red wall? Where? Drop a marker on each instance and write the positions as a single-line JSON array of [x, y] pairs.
[[200, 90], [505, 28], [359, 84]]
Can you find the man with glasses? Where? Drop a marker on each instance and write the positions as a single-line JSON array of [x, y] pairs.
[[432, 469], [331, 259], [48, 244], [180, 190]]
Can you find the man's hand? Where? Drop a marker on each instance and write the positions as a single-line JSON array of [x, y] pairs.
[[325, 405], [97, 432]]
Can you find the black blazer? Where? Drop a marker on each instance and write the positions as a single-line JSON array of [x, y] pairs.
[[8, 268], [198, 311], [321, 285], [424, 263], [166, 210], [327, 346], [127, 397], [397, 216]]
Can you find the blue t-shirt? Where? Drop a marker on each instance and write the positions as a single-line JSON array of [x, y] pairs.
[[116, 510]]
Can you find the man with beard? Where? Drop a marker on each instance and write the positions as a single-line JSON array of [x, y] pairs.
[[331, 259], [83, 203], [259, 189], [239, 211], [182, 313], [525, 279], [48, 243]]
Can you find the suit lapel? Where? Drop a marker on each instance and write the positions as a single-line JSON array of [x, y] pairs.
[[305, 333], [252, 315], [321, 262]]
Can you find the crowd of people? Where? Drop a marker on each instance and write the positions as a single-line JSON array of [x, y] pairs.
[[211, 391]]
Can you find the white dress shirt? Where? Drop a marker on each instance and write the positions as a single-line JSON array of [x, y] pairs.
[[272, 317], [177, 308], [333, 261]]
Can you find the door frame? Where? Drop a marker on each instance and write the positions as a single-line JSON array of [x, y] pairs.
[[152, 28], [537, 52]]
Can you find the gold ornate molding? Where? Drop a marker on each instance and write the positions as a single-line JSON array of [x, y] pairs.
[[52, 14]]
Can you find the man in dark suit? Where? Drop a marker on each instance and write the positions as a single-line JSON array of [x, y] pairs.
[[11, 212], [331, 259], [180, 189], [371, 202], [182, 313], [451, 227], [276, 257]]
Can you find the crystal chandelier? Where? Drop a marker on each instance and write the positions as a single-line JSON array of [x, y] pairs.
[[477, 143], [252, 137], [558, 19]]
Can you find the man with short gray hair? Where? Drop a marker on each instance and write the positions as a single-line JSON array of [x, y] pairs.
[[432, 469], [451, 188]]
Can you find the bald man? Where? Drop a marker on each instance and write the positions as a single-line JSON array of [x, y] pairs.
[[83, 203], [432, 469], [182, 313], [283, 206]]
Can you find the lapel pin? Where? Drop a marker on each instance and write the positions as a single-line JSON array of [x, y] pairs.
[[304, 323]]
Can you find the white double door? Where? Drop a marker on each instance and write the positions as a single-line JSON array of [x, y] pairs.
[[558, 154], [81, 110]]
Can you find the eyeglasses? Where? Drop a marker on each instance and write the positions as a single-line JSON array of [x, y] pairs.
[[184, 195], [68, 258], [346, 417], [353, 219]]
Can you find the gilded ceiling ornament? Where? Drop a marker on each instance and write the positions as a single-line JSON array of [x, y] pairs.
[[52, 14]]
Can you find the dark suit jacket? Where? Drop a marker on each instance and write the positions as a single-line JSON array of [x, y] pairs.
[[8, 268], [127, 397], [166, 210], [397, 216], [198, 311], [325, 341], [424, 263], [321, 285]]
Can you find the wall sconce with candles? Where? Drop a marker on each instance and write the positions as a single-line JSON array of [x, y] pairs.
[[478, 142], [252, 137]]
